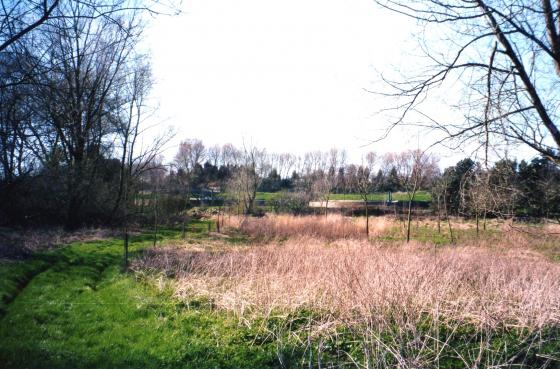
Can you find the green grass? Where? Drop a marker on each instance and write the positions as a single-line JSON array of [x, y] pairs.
[[75, 308], [15, 275], [424, 196], [268, 196]]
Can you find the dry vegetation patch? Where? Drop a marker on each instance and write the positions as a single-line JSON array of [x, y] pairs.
[[492, 299], [332, 227], [16, 244], [355, 280]]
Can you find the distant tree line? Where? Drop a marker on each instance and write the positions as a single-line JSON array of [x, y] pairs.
[[196, 166], [236, 174], [505, 189]]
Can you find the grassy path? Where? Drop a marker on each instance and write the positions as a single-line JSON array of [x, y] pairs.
[[74, 308]]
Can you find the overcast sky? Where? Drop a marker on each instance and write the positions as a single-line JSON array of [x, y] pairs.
[[288, 75]]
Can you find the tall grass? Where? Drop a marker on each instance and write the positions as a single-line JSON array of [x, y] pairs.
[[485, 303], [332, 227], [356, 279]]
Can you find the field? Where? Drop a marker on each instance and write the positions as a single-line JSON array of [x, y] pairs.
[[290, 292]]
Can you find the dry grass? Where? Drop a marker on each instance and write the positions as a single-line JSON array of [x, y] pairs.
[[354, 279], [329, 268], [332, 227], [15, 244], [552, 229], [336, 226]]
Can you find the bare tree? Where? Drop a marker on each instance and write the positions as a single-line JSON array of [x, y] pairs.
[[85, 68], [549, 186], [231, 155], [128, 124], [413, 168], [15, 114], [321, 188], [440, 191], [476, 195], [508, 55], [323, 168], [20, 18], [72, 90], [247, 177], [190, 155], [350, 182], [136, 158], [155, 175], [364, 182], [214, 155], [503, 188], [283, 163]]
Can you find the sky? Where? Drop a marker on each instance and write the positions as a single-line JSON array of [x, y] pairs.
[[290, 75]]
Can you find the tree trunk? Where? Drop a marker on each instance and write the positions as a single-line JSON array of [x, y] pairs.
[[447, 216], [141, 197], [125, 219], [155, 218], [122, 180], [438, 215], [408, 219], [126, 247], [74, 216], [367, 218], [477, 227]]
